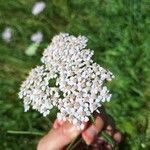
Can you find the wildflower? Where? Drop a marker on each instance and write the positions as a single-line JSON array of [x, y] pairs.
[[37, 37], [7, 34], [79, 89], [38, 8]]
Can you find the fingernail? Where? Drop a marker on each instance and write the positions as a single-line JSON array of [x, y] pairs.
[[109, 128]]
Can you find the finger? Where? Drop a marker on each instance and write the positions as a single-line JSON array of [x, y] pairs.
[[98, 144], [108, 120], [109, 130], [90, 133], [70, 131], [108, 147], [57, 124], [52, 140], [100, 140], [117, 137]]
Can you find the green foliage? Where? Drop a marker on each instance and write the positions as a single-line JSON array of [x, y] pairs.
[[118, 31]]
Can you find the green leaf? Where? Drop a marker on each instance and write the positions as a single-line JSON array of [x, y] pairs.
[[31, 50]]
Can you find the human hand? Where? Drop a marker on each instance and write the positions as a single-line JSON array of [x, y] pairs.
[[63, 133]]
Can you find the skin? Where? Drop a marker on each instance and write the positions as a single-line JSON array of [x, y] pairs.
[[63, 133]]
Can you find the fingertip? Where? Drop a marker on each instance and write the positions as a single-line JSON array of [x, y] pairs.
[[109, 130], [117, 137], [57, 124], [109, 127], [108, 147]]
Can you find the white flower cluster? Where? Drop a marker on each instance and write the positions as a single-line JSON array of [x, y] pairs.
[[79, 89]]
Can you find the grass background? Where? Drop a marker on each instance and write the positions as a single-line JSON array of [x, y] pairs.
[[118, 32]]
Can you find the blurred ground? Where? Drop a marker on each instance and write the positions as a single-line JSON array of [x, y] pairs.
[[118, 32]]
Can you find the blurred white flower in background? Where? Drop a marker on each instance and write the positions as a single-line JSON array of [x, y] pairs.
[[7, 34], [38, 8], [37, 37]]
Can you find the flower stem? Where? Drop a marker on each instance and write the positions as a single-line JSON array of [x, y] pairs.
[[75, 144], [71, 144], [25, 132], [92, 119], [107, 138]]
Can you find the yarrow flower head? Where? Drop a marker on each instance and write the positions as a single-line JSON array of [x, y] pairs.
[[79, 89]]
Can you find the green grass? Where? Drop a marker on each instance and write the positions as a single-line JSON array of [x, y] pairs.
[[118, 33]]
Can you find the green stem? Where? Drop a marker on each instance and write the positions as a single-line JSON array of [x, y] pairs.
[[71, 144], [107, 138], [25, 132], [92, 119], [78, 141], [103, 134]]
